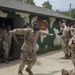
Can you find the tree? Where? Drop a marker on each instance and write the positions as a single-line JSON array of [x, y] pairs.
[[67, 13], [47, 5], [73, 13], [57, 10], [27, 1]]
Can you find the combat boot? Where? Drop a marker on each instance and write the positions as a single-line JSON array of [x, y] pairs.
[[29, 71], [20, 73], [70, 55], [66, 57], [64, 72], [6, 61]]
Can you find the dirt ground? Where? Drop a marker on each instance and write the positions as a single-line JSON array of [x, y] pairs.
[[47, 64]]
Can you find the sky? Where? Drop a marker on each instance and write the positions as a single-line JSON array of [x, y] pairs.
[[62, 5]]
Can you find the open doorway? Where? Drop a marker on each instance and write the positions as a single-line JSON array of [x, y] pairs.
[[7, 21]]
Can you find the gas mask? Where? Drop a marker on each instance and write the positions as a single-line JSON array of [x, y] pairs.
[[26, 25], [36, 27], [8, 27]]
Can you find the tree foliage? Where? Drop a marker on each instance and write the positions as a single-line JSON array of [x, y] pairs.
[[27, 1], [73, 13], [67, 13], [47, 5]]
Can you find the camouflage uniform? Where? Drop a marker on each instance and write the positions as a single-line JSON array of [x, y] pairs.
[[6, 43], [1, 39], [65, 39], [28, 47], [72, 31], [72, 45]]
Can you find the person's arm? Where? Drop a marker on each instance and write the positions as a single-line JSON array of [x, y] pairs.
[[72, 30], [20, 31], [72, 42], [44, 33]]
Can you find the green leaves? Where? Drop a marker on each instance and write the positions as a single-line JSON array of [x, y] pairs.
[[47, 5]]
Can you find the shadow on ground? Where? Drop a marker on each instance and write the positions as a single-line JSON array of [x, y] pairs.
[[52, 73], [38, 63], [15, 62]]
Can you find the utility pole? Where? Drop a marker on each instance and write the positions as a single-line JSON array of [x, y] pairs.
[[70, 9]]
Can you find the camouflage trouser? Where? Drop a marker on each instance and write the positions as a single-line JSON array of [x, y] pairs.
[[6, 49], [1, 45], [65, 47], [24, 56]]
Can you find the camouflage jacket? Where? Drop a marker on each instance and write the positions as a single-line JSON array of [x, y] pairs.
[[66, 34], [70, 41], [7, 36]]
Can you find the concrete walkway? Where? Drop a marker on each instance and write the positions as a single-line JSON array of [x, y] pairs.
[[47, 64]]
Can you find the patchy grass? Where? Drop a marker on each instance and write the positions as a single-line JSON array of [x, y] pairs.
[[50, 48]]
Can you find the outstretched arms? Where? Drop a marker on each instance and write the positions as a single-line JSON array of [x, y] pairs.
[[44, 33], [20, 31]]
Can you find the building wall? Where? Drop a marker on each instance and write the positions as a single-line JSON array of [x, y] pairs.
[[16, 21], [53, 26]]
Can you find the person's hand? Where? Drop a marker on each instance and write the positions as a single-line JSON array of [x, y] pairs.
[[12, 31], [61, 28], [63, 37], [51, 34], [73, 41]]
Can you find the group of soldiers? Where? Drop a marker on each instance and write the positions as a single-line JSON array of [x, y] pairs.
[[28, 49], [68, 45], [5, 41]]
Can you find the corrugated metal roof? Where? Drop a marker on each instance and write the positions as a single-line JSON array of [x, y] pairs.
[[24, 7]]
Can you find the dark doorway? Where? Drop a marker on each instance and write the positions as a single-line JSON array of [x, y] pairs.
[[7, 21]]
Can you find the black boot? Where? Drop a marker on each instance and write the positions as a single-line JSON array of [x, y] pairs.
[[29, 71], [6, 61], [66, 57]]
